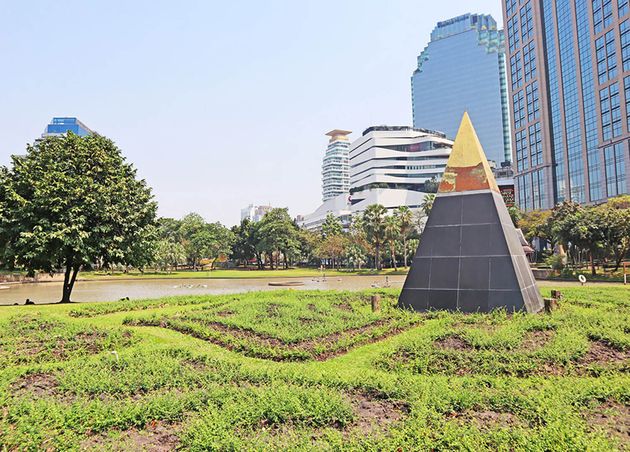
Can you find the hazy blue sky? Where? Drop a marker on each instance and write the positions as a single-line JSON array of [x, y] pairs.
[[218, 104]]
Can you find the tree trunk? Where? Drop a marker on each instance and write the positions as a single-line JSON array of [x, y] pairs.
[[405, 251], [377, 257], [393, 253], [619, 256], [70, 276], [65, 293], [593, 272]]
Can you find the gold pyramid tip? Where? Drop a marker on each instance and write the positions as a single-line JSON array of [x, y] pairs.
[[467, 167]]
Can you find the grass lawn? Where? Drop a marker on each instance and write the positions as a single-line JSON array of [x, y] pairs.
[[238, 274], [301, 370]]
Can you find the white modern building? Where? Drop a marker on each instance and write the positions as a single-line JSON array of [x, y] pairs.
[[335, 171], [396, 166], [254, 213], [391, 166], [339, 206]]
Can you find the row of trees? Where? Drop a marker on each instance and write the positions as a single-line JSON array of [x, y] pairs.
[[373, 237], [189, 241], [277, 242], [593, 234]]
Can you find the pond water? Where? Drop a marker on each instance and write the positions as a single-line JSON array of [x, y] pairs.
[[108, 290]]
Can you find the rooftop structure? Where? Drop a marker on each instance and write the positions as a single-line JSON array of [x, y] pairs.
[[61, 125]]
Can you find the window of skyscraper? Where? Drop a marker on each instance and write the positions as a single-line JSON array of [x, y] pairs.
[[610, 110], [519, 109], [606, 57], [513, 35], [623, 8], [521, 150], [510, 7], [615, 170], [516, 71], [533, 107], [602, 14], [535, 144], [527, 22], [624, 32], [529, 61]]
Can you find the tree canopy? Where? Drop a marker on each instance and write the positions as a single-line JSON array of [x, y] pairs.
[[71, 202]]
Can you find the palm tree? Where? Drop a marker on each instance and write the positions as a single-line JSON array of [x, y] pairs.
[[374, 224], [405, 223], [392, 233], [427, 203]]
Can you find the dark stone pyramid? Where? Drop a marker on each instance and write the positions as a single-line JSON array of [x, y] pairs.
[[470, 257]]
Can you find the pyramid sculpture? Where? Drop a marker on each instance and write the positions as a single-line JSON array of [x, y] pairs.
[[470, 258]]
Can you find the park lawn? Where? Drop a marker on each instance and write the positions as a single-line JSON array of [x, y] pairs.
[[239, 274], [133, 375]]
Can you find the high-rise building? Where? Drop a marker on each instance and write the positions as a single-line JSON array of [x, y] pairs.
[[59, 126], [335, 171], [569, 84], [396, 166], [392, 166], [254, 213], [463, 69]]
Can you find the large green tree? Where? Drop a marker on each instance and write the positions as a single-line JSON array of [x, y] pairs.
[[192, 226], [244, 245], [169, 254], [392, 234], [578, 228], [217, 241], [404, 215], [71, 202], [427, 203], [331, 226], [373, 221], [613, 218], [278, 235]]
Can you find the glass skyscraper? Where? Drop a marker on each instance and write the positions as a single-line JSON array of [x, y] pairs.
[[463, 69], [569, 85], [59, 126]]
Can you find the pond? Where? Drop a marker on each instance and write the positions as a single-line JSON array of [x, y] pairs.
[[108, 290]]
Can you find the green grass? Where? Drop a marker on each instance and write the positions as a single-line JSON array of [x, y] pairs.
[[239, 274], [300, 370]]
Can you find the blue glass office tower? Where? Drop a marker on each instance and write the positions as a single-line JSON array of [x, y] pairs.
[[463, 69], [59, 126], [569, 84]]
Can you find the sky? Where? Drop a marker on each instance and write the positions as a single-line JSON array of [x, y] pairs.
[[217, 104]]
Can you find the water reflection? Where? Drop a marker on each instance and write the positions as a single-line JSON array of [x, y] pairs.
[[91, 291]]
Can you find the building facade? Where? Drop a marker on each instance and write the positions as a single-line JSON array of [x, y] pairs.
[[389, 165], [463, 68], [335, 171], [396, 166], [569, 87], [61, 125], [254, 213]]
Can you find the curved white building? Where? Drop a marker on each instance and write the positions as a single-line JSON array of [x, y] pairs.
[[390, 165]]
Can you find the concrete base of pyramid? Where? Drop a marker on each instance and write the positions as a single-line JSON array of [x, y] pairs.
[[470, 259]]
